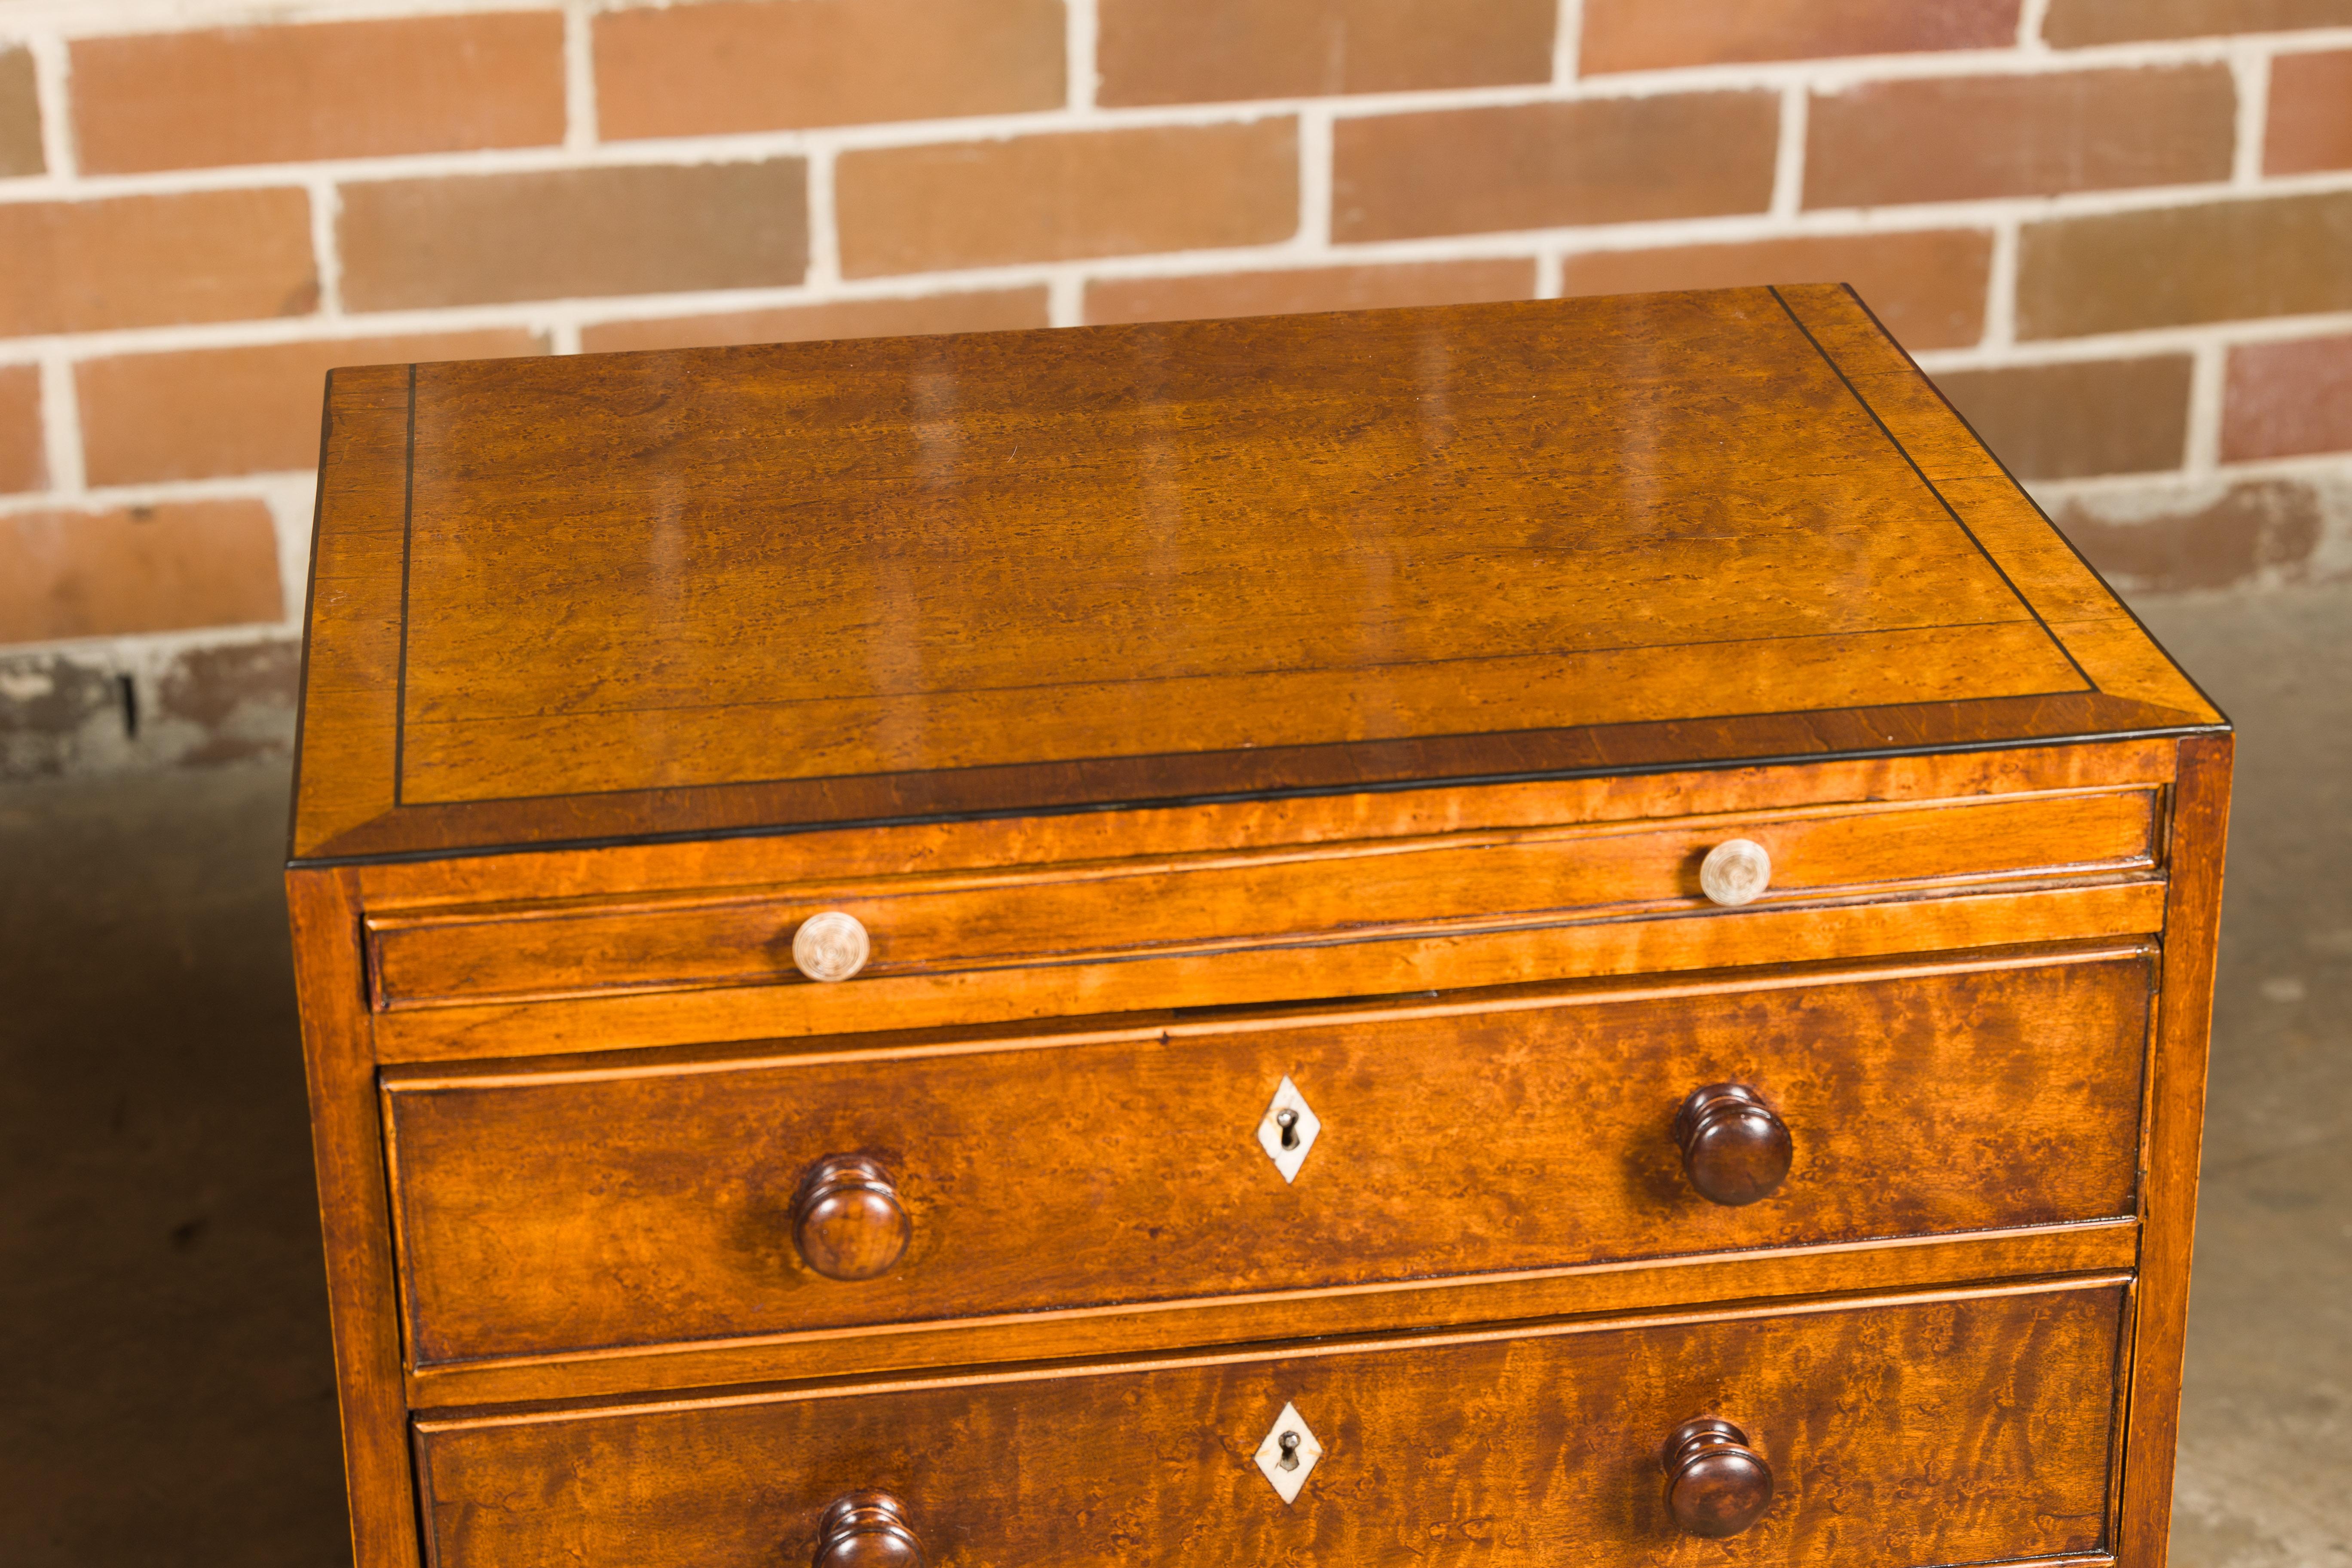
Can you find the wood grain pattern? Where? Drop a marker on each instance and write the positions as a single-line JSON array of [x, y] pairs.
[[2102, 635], [347, 1142], [2098, 1246], [588, 1213], [728, 588], [1296, 821], [1183, 708], [2096, 910], [345, 758], [1965, 1429], [1112, 912], [782, 580], [2175, 1124]]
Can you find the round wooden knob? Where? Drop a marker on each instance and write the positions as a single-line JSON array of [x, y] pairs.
[[1735, 871], [847, 1221], [867, 1529], [1716, 1484], [831, 946], [1736, 1149]]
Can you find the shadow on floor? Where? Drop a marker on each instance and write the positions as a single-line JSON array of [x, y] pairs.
[[163, 1323]]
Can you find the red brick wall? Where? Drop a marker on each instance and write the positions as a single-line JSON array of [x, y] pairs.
[[2119, 232]]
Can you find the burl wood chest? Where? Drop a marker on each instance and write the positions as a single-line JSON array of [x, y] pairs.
[[1526, 934]]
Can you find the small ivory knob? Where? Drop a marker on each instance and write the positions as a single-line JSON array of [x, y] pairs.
[[1716, 1485], [848, 1221], [1735, 871], [867, 1530], [831, 946]]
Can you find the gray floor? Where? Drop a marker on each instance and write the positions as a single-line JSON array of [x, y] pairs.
[[165, 1392]]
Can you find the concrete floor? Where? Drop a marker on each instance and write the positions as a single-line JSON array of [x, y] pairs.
[[165, 1387]]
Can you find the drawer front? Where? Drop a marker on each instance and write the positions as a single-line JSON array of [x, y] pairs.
[[593, 1210], [1019, 920], [1966, 1430]]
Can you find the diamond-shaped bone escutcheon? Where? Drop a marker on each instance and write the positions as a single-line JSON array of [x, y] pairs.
[[1288, 1453], [1286, 1131]]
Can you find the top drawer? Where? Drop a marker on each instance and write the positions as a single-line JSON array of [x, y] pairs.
[[1025, 918]]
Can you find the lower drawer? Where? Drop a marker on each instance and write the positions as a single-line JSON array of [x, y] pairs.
[[1966, 1427]]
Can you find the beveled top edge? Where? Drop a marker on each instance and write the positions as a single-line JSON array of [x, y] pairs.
[[369, 830]]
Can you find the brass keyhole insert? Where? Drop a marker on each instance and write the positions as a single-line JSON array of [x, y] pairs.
[[1289, 1460], [1288, 1121]]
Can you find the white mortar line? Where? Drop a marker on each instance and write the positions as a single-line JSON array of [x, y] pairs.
[[1567, 41], [2251, 69], [2309, 465], [2139, 344], [1789, 156], [290, 503], [1081, 30], [578, 77], [326, 206], [824, 222], [112, 497], [82, 19], [2001, 288], [60, 427], [2204, 443], [1314, 178], [2030, 18], [52, 95]]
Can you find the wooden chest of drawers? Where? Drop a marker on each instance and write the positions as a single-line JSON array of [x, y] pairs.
[[1503, 935]]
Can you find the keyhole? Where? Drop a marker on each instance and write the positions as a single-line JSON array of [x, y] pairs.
[[1289, 1460], [1288, 1121]]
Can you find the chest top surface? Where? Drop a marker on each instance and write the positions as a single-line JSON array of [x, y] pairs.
[[626, 596]]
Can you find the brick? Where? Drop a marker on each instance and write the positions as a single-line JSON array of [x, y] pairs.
[[1927, 286], [2281, 400], [1544, 166], [1309, 288], [970, 310], [490, 238], [145, 261], [2310, 125], [1063, 196], [1547, 166], [2168, 267], [22, 465], [2263, 529], [1652, 35], [139, 569], [696, 70], [1959, 139], [20, 116], [2066, 421], [333, 90], [202, 412], [1206, 51], [2072, 24]]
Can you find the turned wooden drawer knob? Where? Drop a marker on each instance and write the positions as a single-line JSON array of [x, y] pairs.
[[1716, 1484], [867, 1529], [1735, 1149], [847, 1220], [830, 946], [1735, 871]]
